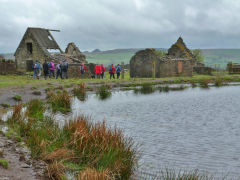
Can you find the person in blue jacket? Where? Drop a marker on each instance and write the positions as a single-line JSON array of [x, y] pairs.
[[118, 71]]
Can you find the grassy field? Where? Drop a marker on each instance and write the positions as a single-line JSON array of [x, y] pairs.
[[26, 80]]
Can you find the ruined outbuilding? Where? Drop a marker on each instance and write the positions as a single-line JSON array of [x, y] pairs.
[[179, 61], [38, 44]]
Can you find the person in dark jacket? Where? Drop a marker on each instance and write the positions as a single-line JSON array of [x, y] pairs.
[[64, 69], [45, 69], [59, 70]]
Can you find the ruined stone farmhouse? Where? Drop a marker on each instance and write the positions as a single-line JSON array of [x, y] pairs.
[[38, 44], [179, 61]]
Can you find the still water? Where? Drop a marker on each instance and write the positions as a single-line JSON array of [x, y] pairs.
[[194, 128]]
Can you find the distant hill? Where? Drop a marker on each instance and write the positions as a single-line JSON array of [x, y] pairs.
[[219, 57]]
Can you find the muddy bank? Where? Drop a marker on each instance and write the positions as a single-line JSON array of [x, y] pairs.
[[20, 165]]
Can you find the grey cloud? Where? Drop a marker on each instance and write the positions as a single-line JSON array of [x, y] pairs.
[[108, 24]]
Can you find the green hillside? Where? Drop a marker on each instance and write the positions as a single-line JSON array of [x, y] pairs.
[[212, 57]]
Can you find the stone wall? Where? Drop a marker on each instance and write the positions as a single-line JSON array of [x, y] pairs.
[[141, 64], [22, 55], [7, 67], [74, 71], [233, 68], [147, 63]]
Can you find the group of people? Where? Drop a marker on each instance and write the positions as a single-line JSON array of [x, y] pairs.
[[62, 70], [49, 69], [100, 70]]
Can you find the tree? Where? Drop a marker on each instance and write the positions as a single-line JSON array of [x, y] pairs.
[[197, 53]]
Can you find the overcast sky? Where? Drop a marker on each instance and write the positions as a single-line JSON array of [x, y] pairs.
[[110, 24]]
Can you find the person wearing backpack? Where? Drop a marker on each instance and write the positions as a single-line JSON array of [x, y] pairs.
[[51, 69], [118, 71], [64, 69], [39, 69], [83, 69], [59, 71], [111, 71], [34, 70], [45, 69]]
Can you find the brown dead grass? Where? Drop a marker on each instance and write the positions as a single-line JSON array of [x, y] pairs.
[[93, 174]]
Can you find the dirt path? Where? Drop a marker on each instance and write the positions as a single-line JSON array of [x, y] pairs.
[[20, 165]]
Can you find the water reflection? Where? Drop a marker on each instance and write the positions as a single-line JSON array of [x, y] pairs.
[[188, 129]]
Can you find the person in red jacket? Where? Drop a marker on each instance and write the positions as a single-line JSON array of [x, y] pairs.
[[103, 70], [111, 71], [98, 70]]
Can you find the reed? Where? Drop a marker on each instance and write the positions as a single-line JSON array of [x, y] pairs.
[[80, 92], [103, 92], [60, 101]]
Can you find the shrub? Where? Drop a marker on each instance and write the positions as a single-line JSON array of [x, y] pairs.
[[103, 92], [80, 92]]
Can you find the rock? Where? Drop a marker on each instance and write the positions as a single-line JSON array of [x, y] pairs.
[[73, 51], [1, 152], [22, 158]]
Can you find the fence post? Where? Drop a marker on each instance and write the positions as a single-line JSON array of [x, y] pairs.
[[122, 64]]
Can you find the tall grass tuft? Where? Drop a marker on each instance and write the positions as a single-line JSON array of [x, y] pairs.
[[163, 88], [80, 92], [101, 147], [145, 88], [35, 108], [218, 82], [204, 83], [100, 174], [104, 92], [60, 101]]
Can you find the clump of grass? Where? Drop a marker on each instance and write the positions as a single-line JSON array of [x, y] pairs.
[[35, 109], [100, 174], [163, 88], [80, 92], [5, 105], [104, 92], [145, 88], [60, 101], [17, 114], [219, 82], [38, 93], [204, 83], [4, 163], [33, 88], [17, 97]]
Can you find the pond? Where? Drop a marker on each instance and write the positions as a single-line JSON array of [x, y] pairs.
[[194, 128]]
